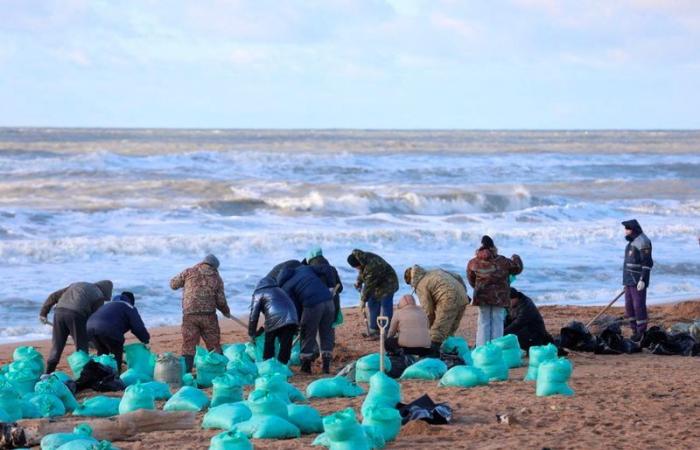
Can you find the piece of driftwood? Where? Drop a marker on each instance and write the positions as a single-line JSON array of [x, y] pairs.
[[116, 428]]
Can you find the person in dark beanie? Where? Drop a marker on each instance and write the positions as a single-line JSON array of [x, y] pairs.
[[525, 321], [636, 271], [203, 294], [108, 325], [72, 306]]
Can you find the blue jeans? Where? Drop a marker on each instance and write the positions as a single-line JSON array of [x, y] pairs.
[[490, 323], [385, 306]]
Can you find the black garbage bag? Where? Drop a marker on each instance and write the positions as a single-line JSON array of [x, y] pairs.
[[575, 336], [399, 362], [451, 359], [611, 342], [100, 378], [425, 409], [660, 342]]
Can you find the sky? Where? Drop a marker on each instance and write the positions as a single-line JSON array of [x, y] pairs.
[[445, 64]]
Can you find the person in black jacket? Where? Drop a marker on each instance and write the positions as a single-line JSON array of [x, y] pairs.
[[525, 321], [314, 303], [108, 325], [315, 257], [279, 268], [636, 272], [281, 319]]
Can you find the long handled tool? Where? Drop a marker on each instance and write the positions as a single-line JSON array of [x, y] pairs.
[[606, 308], [382, 323], [238, 321]]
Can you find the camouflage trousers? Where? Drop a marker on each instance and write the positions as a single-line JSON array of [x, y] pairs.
[[447, 320], [205, 326]]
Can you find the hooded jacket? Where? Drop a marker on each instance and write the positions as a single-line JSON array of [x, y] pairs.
[[377, 278], [115, 318], [330, 277], [411, 324], [304, 286], [638, 261], [203, 290], [274, 303], [289, 264], [438, 289], [82, 298], [525, 321], [488, 274]]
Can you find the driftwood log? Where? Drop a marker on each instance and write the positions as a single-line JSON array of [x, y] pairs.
[[27, 433]]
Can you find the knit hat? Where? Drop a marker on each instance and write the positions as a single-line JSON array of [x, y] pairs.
[[314, 252], [129, 297], [211, 260], [487, 242]]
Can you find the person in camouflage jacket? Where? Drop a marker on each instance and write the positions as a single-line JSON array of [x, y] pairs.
[[203, 294], [377, 283], [489, 274]]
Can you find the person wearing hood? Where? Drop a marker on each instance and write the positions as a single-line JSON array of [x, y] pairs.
[[289, 264], [443, 296], [72, 305], [108, 325], [202, 295], [281, 320], [489, 274], [636, 271], [314, 257], [377, 283], [525, 321], [410, 323], [314, 302]]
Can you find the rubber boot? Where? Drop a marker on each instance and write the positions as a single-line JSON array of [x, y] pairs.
[[435, 349], [306, 366], [189, 363], [326, 363]]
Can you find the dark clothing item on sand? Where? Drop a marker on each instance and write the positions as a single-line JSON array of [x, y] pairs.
[[525, 321]]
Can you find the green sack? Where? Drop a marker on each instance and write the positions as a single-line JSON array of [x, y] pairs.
[[459, 345], [343, 432], [100, 406], [368, 365], [538, 355], [136, 397], [11, 403], [230, 440], [54, 385], [425, 369], [76, 362], [133, 376], [188, 380], [62, 376], [272, 366], [464, 377], [47, 405], [278, 385], [333, 387], [140, 358], [243, 370], [386, 420], [56, 440], [23, 380], [4, 417], [268, 427], [234, 351], [225, 416], [31, 410], [510, 349], [107, 361], [187, 399], [306, 418], [375, 437], [265, 403], [87, 444], [161, 391], [227, 389], [384, 392], [552, 378], [31, 356], [339, 319], [489, 359], [209, 366]]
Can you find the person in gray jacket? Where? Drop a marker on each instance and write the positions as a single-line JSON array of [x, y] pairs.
[[636, 272], [72, 306]]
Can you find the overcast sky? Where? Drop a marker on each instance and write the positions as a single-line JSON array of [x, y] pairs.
[[351, 63]]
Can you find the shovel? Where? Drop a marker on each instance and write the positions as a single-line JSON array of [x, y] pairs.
[[382, 323]]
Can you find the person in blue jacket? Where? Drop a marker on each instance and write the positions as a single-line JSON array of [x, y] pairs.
[[107, 326]]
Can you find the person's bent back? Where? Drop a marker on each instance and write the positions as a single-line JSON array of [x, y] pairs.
[[281, 319]]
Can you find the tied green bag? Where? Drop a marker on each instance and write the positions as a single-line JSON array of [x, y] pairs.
[[136, 397], [244, 371], [538, 355], [230, 440], [269, 419], [188, 398], [54, 385], [47, 405], [23, 380], [265, 403], [56, 440], [384, 392], [368, 365], [106, 360], [133, 376], [31, 356], [272, 366], [278, 385], [552, 378], [489, 359], [306, 418], [209, 366], [425, 369], [100, 406], [385, 420], [459, 345], [76, 362], [333, 387], [161, 391], [464, 377], [139, 358], [11, 403], [343, 432], [227, 389], [87, 444], [226, 416], [510, 349]]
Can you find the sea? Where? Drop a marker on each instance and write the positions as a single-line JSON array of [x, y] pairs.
[[137, 206]]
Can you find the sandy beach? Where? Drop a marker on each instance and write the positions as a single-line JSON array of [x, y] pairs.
[[627, 401]]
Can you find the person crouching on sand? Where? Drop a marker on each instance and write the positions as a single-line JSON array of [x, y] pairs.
[[525, 321], [409, 330], [203, 294], [488, 273]]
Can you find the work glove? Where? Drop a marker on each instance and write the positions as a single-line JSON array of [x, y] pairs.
[[641, 285], [43, 320]]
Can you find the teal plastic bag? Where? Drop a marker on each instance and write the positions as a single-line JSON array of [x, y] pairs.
[[76, 362], [342, 431], [459, 345], [265, 403], [56, 440], [187, 399], [510, 349], [489, 359], [100, 406], [29, 409], [31, 356], [306, 418], [47, 405], [23, 380], [234, 351], [384, 392], [4, 417], [62, 376], [333, 387], [278, 385], [386, 420], [11, 403], [464, 377], [368, 365], [375, 437], [136, 397], [230, 440], [225, 416], [54, 385], [209, 366], [272, 366], [139, 358], [133, 376], [161, 391], [537, 356], [87, 444], [553, 377], [106, 360], [268, 427], [244, 371], [227, 389], [425, 369]]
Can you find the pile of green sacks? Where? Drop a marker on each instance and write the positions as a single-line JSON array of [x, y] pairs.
[[384, 392], [209, 366], [269, 418], [77, 361], [489, 358], [25, 369], [80, 439]]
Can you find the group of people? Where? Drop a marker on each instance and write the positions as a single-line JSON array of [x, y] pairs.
[[304, 297]]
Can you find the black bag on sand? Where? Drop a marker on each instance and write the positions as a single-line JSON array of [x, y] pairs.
[[399, 363], [575, 336], [611, 342], [425, 409], [99, 378], [661, 343], [451, 359]]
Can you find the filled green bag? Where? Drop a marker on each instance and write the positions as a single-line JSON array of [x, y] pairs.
[[510, 349], [31, 410], [11, 403], [375, 437], [133, 376], [333, 387], [4, 417], [230, 440], [87, 444], [107, 361], [306, 418], [56, 440], [386, 420], [368, 365], [227, 389], [537, 356], [54, 385], [46, 404], [425, 369], [210, 366], [268, 427], [265, 403], [139, 358], [31, 356], [235, 351], [464, 377], [188, 380], [552, 378], [100, 406], [161, 391], [187, 399], [23, 380], [278, 385], [244, 371], [76, 362], [459, 345], [136, 397], [62, 376], [225, 416], [342, 431], [272, 366], [384, 392], [489, 359]]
